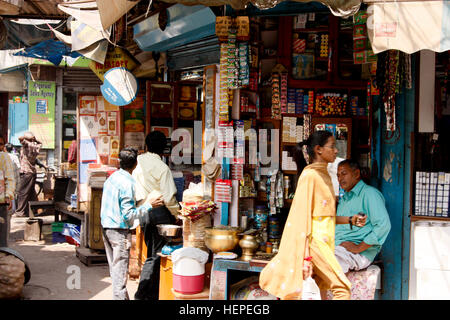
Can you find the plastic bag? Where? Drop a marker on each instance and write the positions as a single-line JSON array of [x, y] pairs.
[[193, 193], [310, 290]]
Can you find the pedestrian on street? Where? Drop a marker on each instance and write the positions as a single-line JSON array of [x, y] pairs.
[[307, 243], [16, 165], [119, 215], [7, 190], [154, 176], [26, 189]]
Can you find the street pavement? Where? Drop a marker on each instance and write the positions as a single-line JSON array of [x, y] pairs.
[[56, 271]]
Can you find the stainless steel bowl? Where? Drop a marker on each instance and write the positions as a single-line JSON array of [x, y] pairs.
[[171, 232]]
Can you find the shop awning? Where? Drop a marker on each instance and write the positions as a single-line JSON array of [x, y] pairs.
[[409, 26], [185, 24], [341, 8]]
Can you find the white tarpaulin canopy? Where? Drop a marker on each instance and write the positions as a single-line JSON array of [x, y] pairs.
[[409, 26]]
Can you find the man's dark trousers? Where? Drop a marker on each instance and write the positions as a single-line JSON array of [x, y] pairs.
[[26, 192], [149, 280]]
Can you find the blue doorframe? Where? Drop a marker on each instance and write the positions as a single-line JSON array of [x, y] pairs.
[[392, 151]]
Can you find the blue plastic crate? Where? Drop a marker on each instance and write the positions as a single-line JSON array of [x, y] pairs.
[[57, 237]]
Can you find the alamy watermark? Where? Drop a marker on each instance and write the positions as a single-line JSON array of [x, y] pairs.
[[263, 147], [74, 279]]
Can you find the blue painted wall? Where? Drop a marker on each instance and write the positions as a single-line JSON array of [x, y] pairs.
[[392, 157]]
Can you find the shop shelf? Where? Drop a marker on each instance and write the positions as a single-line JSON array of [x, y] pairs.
[[318, 29], [292, 115], [289, 143]]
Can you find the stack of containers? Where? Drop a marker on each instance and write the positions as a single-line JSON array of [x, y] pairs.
[[66, 232], [291, 102]]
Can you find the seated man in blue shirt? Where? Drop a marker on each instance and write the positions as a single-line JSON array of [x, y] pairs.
[[118, 216], [356, 247]]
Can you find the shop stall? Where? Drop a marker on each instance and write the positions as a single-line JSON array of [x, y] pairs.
[[430, 184], [278, 80]]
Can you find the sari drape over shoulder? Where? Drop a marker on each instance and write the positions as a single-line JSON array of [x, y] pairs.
[[314, 197]]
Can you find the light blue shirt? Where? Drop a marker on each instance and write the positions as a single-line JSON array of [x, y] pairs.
[[367, 199], [118, 202]]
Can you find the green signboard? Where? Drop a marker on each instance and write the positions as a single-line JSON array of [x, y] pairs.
[[41, 103]]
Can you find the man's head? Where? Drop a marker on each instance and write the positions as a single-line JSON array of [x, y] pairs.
[[29, 136], [128, 159], [156, 142], [348, 174], [8, 147]]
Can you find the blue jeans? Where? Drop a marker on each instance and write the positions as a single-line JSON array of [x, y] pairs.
[[117, 246]]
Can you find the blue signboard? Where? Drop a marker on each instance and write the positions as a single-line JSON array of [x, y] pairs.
[[119, 87]]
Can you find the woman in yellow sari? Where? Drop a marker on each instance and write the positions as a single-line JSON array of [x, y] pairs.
[[307, 243]]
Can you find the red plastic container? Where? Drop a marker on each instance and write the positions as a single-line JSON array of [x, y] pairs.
[[188, 284]]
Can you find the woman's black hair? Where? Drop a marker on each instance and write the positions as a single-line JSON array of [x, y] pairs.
[[156, 142], [317, 138], [9, 147], [127, 158]]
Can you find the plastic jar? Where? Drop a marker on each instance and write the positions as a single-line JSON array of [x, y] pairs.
[[261, 216]]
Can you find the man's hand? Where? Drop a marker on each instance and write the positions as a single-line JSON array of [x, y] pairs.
[[9, 202], [352, 247], [358, 220], [155, 201]]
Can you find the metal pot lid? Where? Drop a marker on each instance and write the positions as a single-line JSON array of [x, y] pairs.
[[20, 257]]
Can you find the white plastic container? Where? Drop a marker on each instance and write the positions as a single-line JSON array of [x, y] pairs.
[[189, 270]]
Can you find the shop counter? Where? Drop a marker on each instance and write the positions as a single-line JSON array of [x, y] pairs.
[[223, 270]]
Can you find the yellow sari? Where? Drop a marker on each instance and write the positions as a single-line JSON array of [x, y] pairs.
[[311, 222]]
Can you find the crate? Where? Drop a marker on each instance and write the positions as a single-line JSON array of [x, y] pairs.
[[57, 227], [57, 237]]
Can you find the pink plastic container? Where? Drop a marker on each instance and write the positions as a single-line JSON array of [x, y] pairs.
[[188, 284]]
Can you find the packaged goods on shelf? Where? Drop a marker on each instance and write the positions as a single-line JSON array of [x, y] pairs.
[[331, 104], [432, 194]]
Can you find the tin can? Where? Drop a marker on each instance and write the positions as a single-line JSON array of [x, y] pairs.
[[73, 200], [261, 216], [268, 247], [274, 227]]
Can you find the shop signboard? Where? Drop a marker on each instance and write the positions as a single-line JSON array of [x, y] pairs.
[[119, 87], [41, 97], [115, 58]]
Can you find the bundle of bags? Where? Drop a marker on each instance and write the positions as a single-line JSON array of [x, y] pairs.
[[196, 210], [196, 215]]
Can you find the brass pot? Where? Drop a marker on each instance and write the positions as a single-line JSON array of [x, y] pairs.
[[249, 245], [219, 239]]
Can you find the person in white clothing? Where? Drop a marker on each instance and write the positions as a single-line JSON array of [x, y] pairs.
[[152, 175]]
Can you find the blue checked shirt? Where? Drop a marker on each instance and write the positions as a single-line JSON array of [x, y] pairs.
[[118, 202]]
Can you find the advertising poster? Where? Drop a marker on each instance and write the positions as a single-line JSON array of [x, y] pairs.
[[41, 97], [133, 116]]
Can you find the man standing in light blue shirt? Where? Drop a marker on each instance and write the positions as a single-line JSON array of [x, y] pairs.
[[118, 216], [356, 247]]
